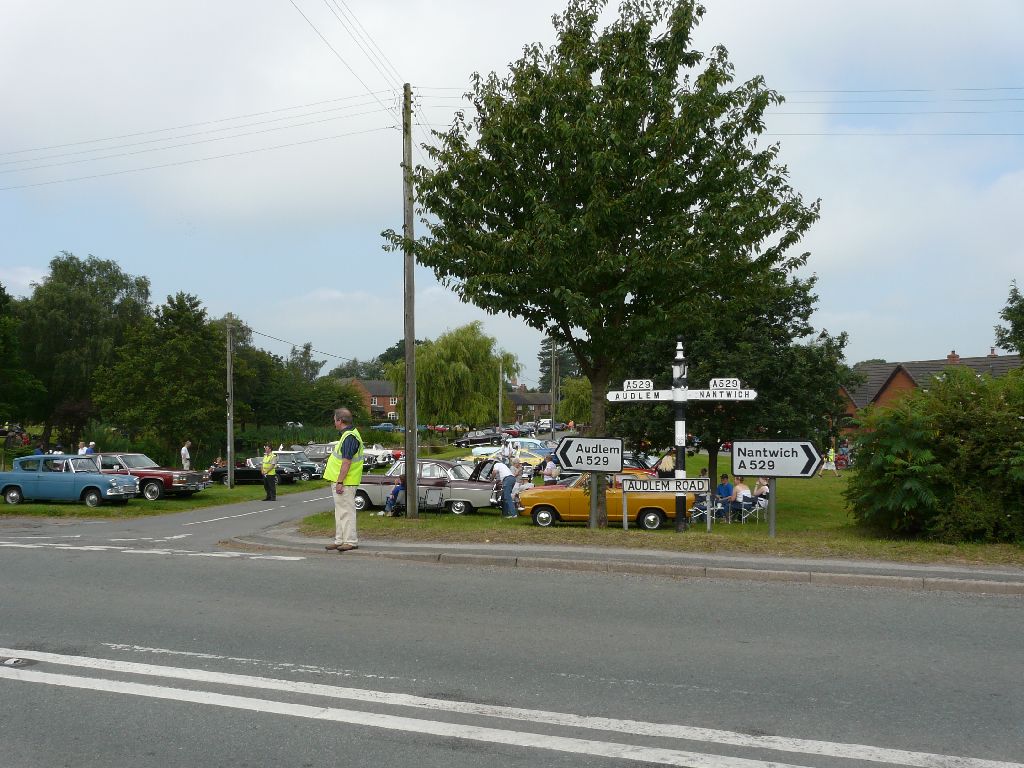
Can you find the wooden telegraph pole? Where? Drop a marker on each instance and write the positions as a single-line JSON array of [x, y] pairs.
[[411, 437]]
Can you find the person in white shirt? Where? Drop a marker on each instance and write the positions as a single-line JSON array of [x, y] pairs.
[[508, 482], [186, 458]]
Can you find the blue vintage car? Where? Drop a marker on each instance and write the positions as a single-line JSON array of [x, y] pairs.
[[59, 477]]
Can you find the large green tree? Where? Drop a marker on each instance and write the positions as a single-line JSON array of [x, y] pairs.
[[566, 366], [168, 381], [1011, 335], [77, 320], [609, 183], [21, 391]]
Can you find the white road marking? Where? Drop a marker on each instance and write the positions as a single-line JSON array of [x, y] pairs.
[[229, 517], [396, 723], [63, 536], [131, 551], [179, 536], [633, 727]]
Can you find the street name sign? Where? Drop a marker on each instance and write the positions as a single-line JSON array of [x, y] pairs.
[[640, 395], [666, 484], [776, 458], [721, 394], [600, 454]]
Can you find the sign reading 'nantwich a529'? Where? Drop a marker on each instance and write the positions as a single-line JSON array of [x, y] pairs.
[[775, 458], [600, 454]]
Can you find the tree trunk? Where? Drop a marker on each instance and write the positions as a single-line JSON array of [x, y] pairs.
[[598, 401]]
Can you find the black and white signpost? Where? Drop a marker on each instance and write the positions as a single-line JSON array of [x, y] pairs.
[[643, 391], [772, 459]]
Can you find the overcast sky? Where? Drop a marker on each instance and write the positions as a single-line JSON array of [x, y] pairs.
[[228, 150]]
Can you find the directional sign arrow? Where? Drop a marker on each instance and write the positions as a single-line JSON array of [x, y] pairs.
[[776, 458], [600, 454]]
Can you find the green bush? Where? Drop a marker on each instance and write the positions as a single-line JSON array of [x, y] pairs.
[[946, 461]]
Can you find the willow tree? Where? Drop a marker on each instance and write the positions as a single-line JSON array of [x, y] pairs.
[[457, 377], [608, 184]]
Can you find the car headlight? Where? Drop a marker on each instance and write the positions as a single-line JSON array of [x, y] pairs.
[[179, 477]]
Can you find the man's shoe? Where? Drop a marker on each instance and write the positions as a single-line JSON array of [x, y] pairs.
[[331, 546], [347, 547]]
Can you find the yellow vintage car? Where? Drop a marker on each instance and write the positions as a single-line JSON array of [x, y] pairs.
[[569, 502]]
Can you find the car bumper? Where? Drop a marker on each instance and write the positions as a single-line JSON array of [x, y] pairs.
[[120, 493]]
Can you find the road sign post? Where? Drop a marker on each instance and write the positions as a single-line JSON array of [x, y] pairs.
[[643, 391], [775, 458], [660, 485], [593, 454]]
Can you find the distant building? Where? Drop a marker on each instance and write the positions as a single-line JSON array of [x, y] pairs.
[[379, 397], [886, 382], [530, 406]]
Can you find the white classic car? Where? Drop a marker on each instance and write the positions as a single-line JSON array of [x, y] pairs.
[[377, 455]]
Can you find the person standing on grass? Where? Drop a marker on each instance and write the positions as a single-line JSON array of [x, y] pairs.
[[830, 462], [186, 457], [344, 471], [269, 471], [508, 482]]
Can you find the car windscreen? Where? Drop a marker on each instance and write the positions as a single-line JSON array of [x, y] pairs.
[[461, 472], [84, 465], [138, 461]]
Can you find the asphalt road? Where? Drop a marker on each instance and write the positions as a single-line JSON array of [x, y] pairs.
[[143, 643]]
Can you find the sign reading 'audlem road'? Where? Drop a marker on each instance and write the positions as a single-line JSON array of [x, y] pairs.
[[666, 484]]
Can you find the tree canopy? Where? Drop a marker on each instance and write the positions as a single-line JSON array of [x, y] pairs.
[[609, 185]]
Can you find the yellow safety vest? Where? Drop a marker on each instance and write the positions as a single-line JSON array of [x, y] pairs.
[[355, 469], [269, 464]]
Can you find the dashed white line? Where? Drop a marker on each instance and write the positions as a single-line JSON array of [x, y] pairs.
[[230, 517], [133, 551]]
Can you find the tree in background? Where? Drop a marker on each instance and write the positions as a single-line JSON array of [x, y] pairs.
[[1011, 337], [566, 364], [21, 392], [575, 402], [77, 320], [301, 362], [457, 377], [609, 184], [945, 461], [167, 381]]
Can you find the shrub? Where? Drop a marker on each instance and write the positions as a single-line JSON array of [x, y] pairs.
[[946, 461]]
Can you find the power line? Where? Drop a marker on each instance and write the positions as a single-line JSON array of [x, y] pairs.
[[186, 125], [359, 43], [171, 146], [198, 159], [294, 344]]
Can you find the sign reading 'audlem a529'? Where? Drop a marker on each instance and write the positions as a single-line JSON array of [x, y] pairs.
[[600, 454]]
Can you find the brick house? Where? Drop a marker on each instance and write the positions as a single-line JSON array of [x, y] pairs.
[[379, 397], [885, 382], [530, 406]]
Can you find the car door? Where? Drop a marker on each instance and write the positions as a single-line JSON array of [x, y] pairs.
[[56, 481], [27, 477]]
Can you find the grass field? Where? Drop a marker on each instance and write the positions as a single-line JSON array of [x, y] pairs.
[[811, 521]]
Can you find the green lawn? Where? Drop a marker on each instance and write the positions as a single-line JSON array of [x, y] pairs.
[[811, 521]]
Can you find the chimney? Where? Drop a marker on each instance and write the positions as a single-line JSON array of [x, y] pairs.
[[992, 352], [953, 358]]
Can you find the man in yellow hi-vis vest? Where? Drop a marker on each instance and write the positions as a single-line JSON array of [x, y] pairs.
[[269, 472], [344, 471]]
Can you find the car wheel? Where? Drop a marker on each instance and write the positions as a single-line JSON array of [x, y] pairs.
[[460, 507], [362, 501], [545, 517], [651, 519], [152, 490], [13, 496], [305, 475], [92, 498]]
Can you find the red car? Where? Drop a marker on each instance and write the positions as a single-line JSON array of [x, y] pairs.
[[154, 481]]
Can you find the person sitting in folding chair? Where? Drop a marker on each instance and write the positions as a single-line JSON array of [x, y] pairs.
[[389, 504], [740, 500]]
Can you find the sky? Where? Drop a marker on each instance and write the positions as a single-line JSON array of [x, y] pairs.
[[249, 153]]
